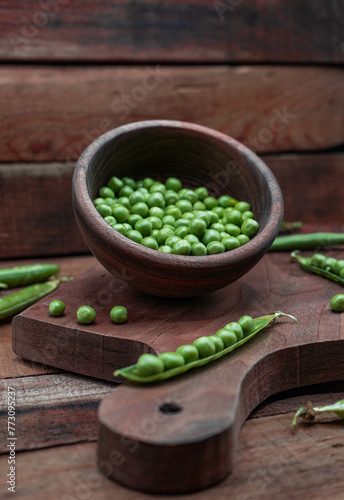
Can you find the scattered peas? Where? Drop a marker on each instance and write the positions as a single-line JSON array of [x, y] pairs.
[[56, 308], [86, 315], [119, 314], [150, 213], [337, 302]]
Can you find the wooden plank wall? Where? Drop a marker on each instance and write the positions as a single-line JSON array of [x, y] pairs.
[[71, 70]]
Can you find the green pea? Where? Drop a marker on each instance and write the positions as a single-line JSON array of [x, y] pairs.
[[198, 205], [173, 183], [189, 352], [210, 202], [120, 213], [182, 231], [181, 247], [230, 243], [191, 238], [120, 228], [338, 267], [156, 199], [140, 187], [198, 249], [317, 259], [119, 314], [214, 218], [156, 212], [232, 230], [164, 234], [197, 226], [249, 227], [190, 196], [337, 303], [156, 222], [228, 337], [224, 201], [128, 181], [219, 211], [158, 187], [134, 236], [236, 328], [98, 201], [174, 211], [218, 342], [201, 192], [329, 264], [248, 214], [182, 222], [56, 308], [242, 206], [234, 217], [168, 219], [86, 315], [218, 227], [189, 216], [148, 182], [110, 220], [136, 197], [106, 192], [205, 347], [155, 233], [210, 235], [125, 191], [171, 197], [148, 365], [104, 210], [243, 238], [171, 240], [133, 218], [145, 227], [184, 205], [150, 243], [215, 247], [247, 324], [171, 360], [124, 201], [140, 209], [205, 215], [169, 226], [165, 249], [115, 184]]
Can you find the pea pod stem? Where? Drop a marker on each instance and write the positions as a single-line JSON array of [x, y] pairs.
[[305, 263], [12, 277], [310, 411], [18, 301], [308, 241], [259, 323]]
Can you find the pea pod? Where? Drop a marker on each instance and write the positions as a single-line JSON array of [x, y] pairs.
[[18, 301], [310, 411], [306, 241], [130, 372], [307, 265], [26, 275]]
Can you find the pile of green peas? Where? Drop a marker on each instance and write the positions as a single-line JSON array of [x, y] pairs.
[[150, 364], [173, 219]]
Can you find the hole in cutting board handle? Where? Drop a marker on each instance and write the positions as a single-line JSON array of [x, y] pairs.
[[170, 408]]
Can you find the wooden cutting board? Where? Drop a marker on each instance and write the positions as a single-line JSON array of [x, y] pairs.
[[180, 435]]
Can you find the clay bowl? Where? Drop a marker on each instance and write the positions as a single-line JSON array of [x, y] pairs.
[[199, 156]]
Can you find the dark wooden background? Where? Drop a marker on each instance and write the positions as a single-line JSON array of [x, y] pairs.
[[268, 73]]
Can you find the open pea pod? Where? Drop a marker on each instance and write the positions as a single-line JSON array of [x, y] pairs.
[[130, 372], [306, 264]]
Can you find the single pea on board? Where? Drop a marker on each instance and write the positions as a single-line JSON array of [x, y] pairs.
[[151, 368], [337, 303]]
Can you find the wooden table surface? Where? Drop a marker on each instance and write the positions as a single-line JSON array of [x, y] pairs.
[[56, 428]]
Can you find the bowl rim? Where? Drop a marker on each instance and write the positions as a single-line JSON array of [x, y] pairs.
[[155, 258]]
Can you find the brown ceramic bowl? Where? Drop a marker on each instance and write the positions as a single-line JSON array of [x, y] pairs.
[[199, 156]]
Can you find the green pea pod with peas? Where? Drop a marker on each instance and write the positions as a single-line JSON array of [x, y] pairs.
[[328, 267], [12, 277], [203, 351], [18, 301]]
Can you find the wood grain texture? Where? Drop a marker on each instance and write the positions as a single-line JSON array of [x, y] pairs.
[[272, 463], [53, 409], [37, 220], [161, 30], [322, 204], [12, 366], [53, 113]]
